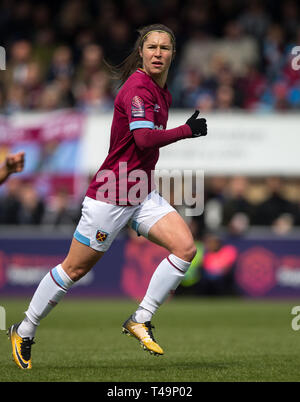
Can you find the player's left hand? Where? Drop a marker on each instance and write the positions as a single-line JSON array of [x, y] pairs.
[[198, 126], [15, 162]]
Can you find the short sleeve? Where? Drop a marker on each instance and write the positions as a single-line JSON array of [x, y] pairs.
[[139, 107]]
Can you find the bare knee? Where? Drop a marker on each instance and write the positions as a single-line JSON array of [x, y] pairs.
[[80, 260], [186, 252], [74, 271]]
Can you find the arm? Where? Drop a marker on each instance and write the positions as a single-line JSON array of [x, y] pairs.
[[148, 138], [13, 163]]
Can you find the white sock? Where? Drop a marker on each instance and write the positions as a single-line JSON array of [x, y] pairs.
[[142, 315], [26, 329], [49, 292], [164, 281]]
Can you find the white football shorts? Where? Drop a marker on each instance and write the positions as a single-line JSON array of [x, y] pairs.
[[100, 222]]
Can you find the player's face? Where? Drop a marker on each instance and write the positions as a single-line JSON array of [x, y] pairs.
[[157, 54]]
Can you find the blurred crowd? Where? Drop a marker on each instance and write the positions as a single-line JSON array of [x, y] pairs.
[[240, 203], [235, 204], [231, 54], [22, 204]]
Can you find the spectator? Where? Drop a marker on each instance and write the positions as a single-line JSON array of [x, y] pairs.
[[283, 224], [15, 99], [50, 98], [197, 52], [251, 88], [73, 15], [18, 65], [66, 93], [217, 267], [61, 65], [10, 203], [188, 88], [90, 64], [290, 18], [273, 52], [275, 205], [117, 47], [32, 206], [205, 102], [84, 37], [280, 96], [224, 98], [197, 15], [19, 21], [214, 199], [95, 96], [225, 77], [237, 210], [58, 211], [236, 49], [136, 13], [44, 45], [255, 20], [33, 86], [107, 14]]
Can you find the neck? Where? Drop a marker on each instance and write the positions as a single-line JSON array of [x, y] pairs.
[[160, 79]]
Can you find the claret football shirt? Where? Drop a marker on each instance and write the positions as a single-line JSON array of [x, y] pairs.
[[140, 103]]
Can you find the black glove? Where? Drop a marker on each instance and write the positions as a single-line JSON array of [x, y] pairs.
[[198, 126]]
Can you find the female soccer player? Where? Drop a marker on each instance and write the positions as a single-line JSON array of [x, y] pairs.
[[138, 131]]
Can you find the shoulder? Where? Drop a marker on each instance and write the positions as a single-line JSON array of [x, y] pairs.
[[139, 88]]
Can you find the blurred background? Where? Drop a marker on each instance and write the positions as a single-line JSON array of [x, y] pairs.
[[233, 62]]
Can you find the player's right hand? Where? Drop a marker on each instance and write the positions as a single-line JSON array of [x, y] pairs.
[[15, 162], [198, 126]]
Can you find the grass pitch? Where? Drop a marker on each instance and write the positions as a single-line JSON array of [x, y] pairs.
[[218, 340]]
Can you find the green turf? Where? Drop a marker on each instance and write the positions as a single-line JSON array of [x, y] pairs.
[[203, 339]]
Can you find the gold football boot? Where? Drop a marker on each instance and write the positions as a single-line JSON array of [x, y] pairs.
[[143, 333]]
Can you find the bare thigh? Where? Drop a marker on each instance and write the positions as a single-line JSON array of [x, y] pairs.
[[80, 260], [172, 233]]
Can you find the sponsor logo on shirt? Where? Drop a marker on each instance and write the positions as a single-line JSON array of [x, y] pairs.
[[137, 107], [156, 107]]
